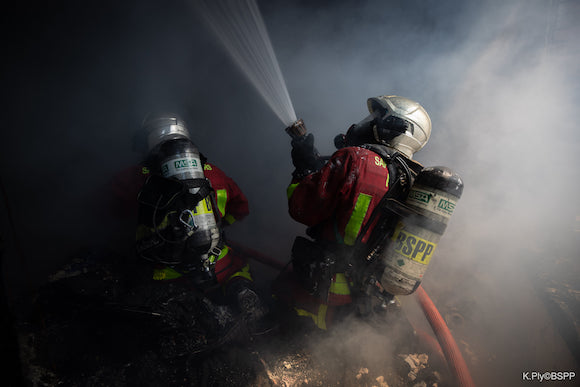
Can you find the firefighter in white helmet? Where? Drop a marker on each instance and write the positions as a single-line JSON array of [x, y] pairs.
[[345, 203], [184, 204]]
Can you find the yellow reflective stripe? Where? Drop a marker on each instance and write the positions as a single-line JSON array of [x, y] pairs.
[[222, 198], [229, 218], [356, 219], [223, 253], [144, 231], [319, 319], [244, 273], [166, 273], [339, 285], [290, 189], [322, 316]]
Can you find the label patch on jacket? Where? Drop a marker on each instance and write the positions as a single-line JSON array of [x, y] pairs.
[[412, 246]]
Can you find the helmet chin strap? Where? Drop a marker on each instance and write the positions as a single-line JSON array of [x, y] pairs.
[[376, 134]]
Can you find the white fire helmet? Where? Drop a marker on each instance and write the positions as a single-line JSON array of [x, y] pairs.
[[159, 128], [418, 124]]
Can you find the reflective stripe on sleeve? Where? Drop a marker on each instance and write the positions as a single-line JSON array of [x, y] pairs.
[[222, 198], [290, 189], [356, 218]]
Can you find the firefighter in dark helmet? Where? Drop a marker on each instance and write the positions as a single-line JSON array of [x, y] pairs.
[[343, 201], [184, 204]]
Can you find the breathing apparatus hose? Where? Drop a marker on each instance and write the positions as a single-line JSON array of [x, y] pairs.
[[455, 360]]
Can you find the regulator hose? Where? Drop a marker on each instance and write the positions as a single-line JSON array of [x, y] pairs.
[[455, 360]]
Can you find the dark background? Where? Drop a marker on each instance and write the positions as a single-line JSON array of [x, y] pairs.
[[499, 80]]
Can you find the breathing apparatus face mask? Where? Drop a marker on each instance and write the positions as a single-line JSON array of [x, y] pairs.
[[374, 129], [360, 133]]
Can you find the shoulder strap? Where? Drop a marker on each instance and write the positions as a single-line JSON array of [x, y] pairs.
[[402, 178], [204, 189]]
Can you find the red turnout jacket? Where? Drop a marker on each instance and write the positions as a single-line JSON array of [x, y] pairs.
[[229, 198], [335, 202], [339, 199]]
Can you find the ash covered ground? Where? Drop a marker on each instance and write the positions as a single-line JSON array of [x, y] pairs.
[[92, 326]]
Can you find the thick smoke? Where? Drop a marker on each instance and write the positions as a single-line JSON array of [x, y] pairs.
[[499, 79]]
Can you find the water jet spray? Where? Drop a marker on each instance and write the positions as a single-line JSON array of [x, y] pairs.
[[239, 26]]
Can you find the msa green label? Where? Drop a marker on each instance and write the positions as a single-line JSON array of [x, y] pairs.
[[419, 196], [180, 165], [446, 206], [185, 163]]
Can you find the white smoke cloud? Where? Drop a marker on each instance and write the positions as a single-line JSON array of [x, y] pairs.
[[499, 79]]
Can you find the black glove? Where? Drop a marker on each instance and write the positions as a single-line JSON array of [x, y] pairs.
[[305, 157]]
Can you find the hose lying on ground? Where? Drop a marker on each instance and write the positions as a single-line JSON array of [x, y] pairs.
[[454, 358], [450, 349]]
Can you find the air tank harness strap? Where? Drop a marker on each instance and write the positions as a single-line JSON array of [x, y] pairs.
[[316, 262], [204, 189], [402, 177]]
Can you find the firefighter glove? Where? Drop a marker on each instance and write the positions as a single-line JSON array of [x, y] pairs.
[[305, 157]]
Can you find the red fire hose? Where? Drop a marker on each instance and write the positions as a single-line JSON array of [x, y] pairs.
[[450, 349], [454, 358]]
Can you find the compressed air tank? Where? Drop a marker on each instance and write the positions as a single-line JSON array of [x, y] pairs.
[[180, 159], [429, 205]]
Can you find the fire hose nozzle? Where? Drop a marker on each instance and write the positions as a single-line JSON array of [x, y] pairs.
[[297, 129]]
